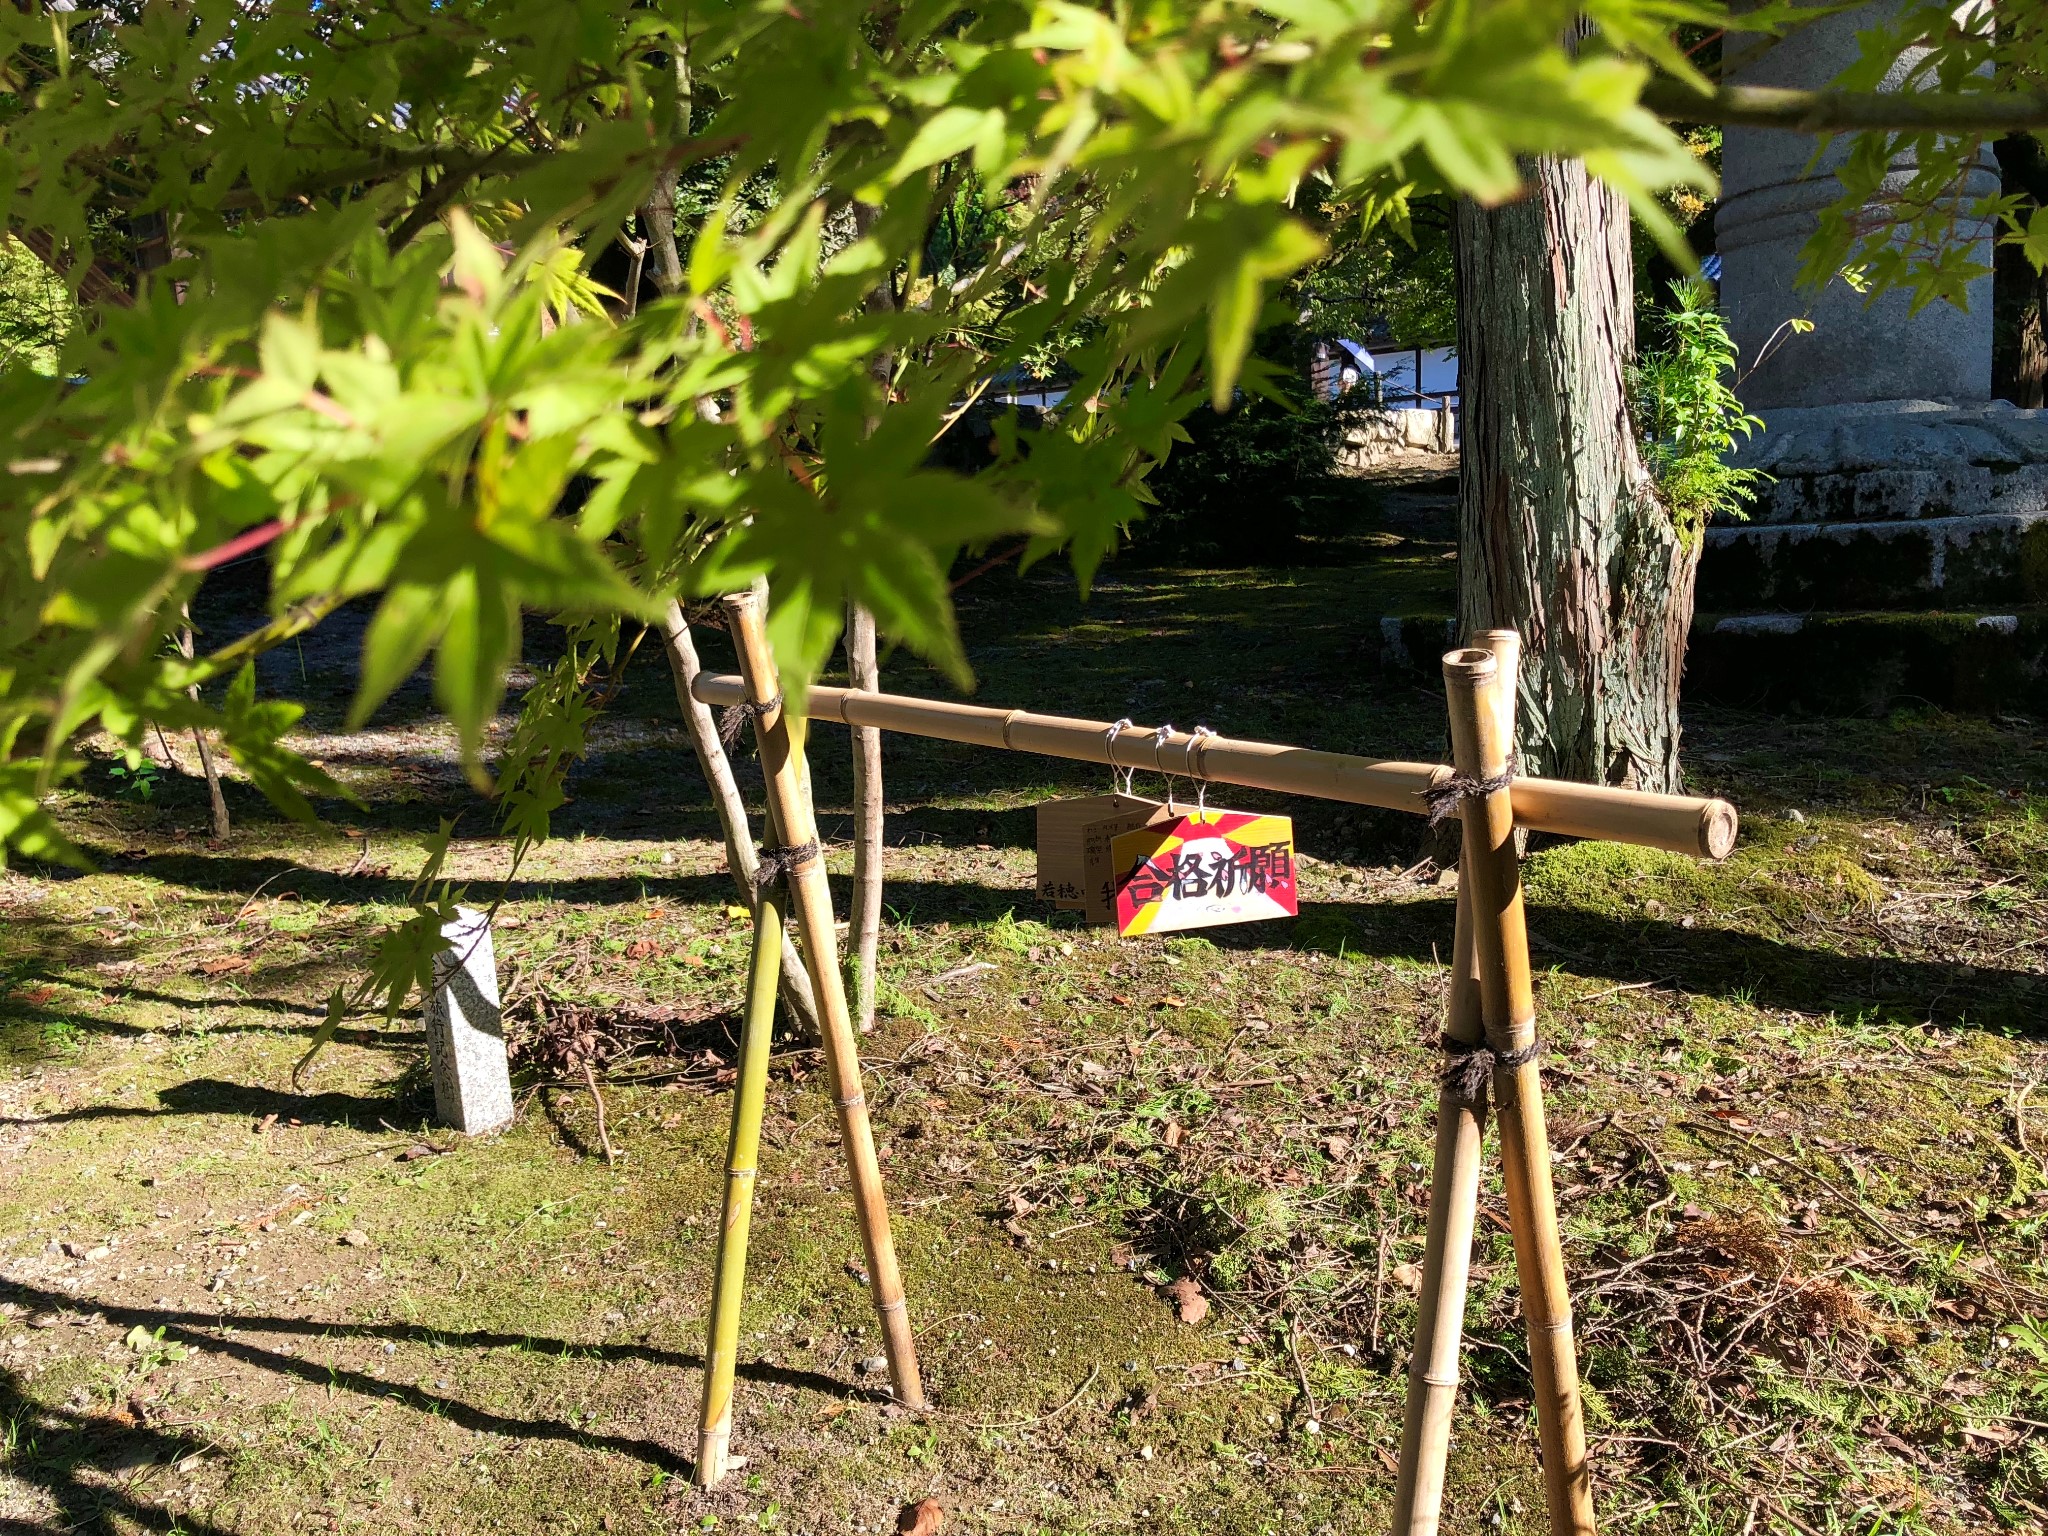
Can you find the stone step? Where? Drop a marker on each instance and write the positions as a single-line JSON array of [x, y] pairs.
[[1990, 558], [1977, 662], [1897, 494]]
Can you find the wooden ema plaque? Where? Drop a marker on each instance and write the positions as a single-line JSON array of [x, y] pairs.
[[1204, 869], [1063, 827]]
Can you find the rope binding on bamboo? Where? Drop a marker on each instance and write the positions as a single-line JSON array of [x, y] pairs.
[[1444, 799], [1468, 1069], [734, 717], [780, 863]]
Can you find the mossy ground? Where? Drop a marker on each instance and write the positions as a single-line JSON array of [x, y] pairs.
[[1796, 1101]]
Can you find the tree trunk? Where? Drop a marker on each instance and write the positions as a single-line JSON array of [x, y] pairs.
[[681, 650], [2019, 294], [866, 928], [217, 801], [1561, 534]]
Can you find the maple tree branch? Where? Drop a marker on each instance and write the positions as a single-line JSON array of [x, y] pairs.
[[1828, 111]]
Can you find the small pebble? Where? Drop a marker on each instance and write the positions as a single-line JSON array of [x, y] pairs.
[[874, 1365]]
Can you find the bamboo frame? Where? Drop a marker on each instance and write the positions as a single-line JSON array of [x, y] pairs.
[[1680, 823], [1491, 1001], [742, 1164], [1453, 1208], [810, 899], [1491, 876]]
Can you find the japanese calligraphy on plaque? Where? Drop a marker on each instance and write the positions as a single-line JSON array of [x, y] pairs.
[[1202, 870], [1067, 833]]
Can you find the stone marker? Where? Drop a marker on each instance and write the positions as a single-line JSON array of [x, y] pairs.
[[465, 1034]]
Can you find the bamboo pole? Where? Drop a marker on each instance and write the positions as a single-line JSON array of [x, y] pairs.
[[1491, 875], [864, 926], [811, 901], [1453, 1209], [680, 646], [742, 1163], [1681, 823]]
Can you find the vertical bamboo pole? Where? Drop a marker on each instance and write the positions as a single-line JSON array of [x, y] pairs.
[[742, 1163], [864, 936], [684, 667], [811, 901], [1453, 1209], [1492, 878]]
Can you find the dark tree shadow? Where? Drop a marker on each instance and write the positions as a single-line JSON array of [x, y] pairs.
[[94, 1469], [199, 1332], [213, 1096]]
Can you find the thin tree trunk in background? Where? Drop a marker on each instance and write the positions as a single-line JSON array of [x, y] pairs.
[[681, 650], [218, 802], [2019, 294], [1561, 535], [658, 213], [865, 937]]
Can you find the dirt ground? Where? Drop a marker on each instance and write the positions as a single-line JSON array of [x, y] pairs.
[[1798, 1110]]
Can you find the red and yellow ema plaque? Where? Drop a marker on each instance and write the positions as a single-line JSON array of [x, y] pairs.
[[1204, 869]]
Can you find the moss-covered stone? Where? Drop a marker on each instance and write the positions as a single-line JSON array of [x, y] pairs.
[[1866, 663]]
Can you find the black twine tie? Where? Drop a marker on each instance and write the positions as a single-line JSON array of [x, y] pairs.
[[733, 719], [780, 863], [1444, 799], [1468, 1069]]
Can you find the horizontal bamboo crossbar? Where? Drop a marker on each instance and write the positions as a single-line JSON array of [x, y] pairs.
[[1680, 823]]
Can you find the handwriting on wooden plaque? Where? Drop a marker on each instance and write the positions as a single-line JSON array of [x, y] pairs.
[[1063, 841]]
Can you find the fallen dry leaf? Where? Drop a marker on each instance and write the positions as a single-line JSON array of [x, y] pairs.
[[222, 965], [1186, 1295], [1173, 1135], [656, 914], [35, 997], [1409, 1275], [642, 949], [920, 1519]]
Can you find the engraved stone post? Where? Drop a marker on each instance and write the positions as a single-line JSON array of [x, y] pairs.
[[465, 1035]]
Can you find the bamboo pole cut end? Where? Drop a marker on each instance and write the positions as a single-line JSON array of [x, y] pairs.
[[1470, 667], [713, 1452], [1718, 825]]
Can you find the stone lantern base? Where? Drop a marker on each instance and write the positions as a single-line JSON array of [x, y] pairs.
[[1900, 555]]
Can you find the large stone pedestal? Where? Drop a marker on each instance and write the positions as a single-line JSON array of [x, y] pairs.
[[1902, 553], [1900, 556]]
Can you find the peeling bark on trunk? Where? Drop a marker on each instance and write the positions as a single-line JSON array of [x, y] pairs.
[[681, 651], [1561, 534], [865, 937]]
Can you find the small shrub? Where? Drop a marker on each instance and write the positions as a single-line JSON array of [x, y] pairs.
[[1689, 417]]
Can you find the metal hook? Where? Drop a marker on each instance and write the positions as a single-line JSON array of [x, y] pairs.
[[1197, 739], [1109, 755], [1159, 739]]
